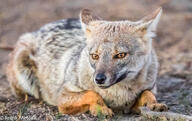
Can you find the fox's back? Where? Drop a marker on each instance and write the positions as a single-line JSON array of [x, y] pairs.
[[56, 38]]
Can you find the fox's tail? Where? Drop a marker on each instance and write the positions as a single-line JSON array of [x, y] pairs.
[[21, 69]]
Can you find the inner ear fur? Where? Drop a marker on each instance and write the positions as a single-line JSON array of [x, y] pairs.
[[153, 15], [149, 23], [87, 16]]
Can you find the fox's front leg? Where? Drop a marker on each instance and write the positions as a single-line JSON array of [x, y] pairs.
[[75, 103], [148, 99]]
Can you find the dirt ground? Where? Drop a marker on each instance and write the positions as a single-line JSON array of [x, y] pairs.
[[173, 44]]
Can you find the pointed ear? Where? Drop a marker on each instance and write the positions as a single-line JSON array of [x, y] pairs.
[[149, 23], [86, 16]]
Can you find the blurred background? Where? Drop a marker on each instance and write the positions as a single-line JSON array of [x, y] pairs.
[[173, 42]]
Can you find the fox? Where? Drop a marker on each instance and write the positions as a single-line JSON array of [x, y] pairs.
[[80, 65]]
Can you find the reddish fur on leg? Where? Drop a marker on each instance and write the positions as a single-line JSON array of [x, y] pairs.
[[83, 102], [148, 99]]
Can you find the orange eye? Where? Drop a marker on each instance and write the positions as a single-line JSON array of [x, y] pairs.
[[120, 55], [95, 56]]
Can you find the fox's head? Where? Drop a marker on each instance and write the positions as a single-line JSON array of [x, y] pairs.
[[118, 50]]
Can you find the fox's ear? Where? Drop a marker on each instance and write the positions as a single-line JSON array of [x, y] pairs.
[[149, 23], [86, 16]]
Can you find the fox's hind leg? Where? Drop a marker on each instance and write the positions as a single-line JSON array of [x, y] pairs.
[[76, 103], [148, 99], [21, 69]]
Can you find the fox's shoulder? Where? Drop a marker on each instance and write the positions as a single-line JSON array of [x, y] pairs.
[[65, 24], [57, 27], [57, 37]]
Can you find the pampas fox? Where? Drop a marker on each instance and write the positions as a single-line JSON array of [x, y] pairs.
[[79, 65]]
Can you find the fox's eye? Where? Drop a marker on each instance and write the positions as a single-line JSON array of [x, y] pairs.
[[94, 56], [120, 55]]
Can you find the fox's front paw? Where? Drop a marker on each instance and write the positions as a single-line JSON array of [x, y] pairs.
[[96, 109], [157, 107]]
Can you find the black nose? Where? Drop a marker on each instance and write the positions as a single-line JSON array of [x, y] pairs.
[[100, 78]]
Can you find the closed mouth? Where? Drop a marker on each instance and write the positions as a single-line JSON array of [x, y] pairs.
[[123, 76], [104, 87]]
